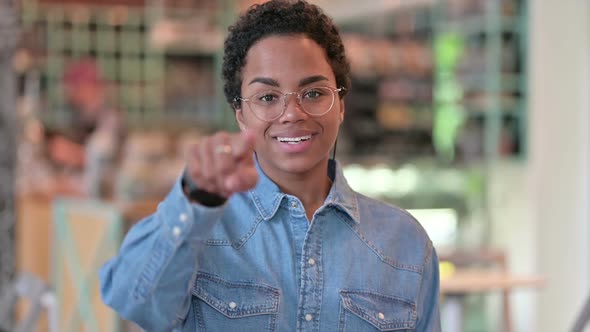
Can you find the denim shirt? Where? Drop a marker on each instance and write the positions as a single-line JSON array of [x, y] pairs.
[[258, 264]]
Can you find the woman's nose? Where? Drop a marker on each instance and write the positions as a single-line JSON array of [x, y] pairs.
[[292, 109]]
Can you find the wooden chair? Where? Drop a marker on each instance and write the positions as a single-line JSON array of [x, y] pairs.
[[86, 233], [484, 258]]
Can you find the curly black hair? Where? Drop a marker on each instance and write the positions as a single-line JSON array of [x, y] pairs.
[[281, 17]]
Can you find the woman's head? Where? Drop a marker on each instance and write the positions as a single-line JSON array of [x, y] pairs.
[[287, 54], [275, 18]]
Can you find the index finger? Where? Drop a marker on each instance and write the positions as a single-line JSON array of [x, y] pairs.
[[242, 145]]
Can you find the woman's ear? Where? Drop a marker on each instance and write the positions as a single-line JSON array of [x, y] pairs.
[[341, 110], [240, 119]]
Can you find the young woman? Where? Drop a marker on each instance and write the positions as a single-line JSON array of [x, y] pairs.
[[262, 232]]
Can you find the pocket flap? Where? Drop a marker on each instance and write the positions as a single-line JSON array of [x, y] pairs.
[[236, 299], [386, 313]]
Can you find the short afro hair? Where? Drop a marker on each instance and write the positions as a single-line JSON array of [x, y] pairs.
[[281, 17]]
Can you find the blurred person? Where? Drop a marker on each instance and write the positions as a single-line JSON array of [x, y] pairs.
[[84, 149], [262, 231]]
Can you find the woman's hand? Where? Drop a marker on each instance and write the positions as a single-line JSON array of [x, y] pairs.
[[223, 163]]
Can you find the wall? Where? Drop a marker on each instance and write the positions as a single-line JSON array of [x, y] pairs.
[[541, 213], [559, 161], [514, 230]]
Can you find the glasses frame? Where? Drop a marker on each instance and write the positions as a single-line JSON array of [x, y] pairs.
[[285, 95]]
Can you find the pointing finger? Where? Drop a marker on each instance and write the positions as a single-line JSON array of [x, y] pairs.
[[245, 179], [243, 144]]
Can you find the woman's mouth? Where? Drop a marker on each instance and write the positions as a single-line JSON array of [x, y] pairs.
[[293, 140], [294, 143]]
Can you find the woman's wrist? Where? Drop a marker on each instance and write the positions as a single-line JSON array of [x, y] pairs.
[[197, 195]]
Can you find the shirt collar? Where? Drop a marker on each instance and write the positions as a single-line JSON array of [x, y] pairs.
[[341, 195], [267, 196]]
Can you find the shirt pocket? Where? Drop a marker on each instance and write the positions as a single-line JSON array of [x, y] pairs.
[[366, 311], [222, 305]]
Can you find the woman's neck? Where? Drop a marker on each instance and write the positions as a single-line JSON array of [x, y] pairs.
[[311, 187], [312, 191]]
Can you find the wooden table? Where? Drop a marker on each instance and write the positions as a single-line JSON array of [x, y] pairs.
[[480, 281], [465, 282]]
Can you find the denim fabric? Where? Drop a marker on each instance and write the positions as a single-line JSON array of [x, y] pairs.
[[258, 264]]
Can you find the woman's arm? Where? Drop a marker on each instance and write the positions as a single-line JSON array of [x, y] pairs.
[[149, 280], [428, 303]]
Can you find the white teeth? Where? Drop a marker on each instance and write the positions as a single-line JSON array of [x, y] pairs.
[[293, 140]]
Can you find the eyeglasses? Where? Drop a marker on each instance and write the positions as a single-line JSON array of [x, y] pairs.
[[270, 105]]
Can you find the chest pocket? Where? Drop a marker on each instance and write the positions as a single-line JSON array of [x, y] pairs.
[[222, 305], [365, 311]]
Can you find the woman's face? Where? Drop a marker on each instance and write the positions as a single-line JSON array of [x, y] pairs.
[[295, 142]]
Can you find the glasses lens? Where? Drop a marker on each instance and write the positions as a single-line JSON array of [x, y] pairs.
[[267, 105], [317, 100]]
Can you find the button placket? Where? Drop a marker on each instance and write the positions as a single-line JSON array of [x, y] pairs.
[[311, 279]]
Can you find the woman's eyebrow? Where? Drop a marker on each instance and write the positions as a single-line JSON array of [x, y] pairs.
[[265, 80], [303, 82], [312, 79]]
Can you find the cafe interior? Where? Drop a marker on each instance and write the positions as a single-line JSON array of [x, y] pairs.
[[473, 115]]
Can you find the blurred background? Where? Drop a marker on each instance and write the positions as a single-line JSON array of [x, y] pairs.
[[472, 114]]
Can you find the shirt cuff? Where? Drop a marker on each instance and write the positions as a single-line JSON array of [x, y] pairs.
[[182, 218]]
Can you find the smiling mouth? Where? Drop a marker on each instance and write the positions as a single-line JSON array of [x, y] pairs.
[[293, 140]]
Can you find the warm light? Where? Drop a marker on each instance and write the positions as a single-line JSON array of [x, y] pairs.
[[440, 224], [381, 180], [446, 269]]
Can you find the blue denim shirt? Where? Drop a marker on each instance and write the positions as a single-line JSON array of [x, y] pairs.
[[258, 264]]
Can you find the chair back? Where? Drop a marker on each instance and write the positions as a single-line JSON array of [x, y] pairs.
[[86, 233]]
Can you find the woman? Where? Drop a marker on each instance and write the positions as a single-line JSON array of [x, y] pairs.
[[263, 233]]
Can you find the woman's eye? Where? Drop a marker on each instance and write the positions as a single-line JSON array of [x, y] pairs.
[[311, 94], [267, 98]]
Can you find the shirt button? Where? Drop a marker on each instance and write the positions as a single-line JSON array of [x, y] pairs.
[[293, 204], [308, 317], [311, 261], [183, 217], [381, 316], [232, 305], [176, 231]]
